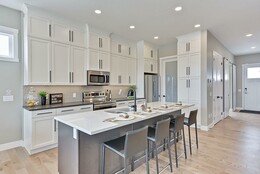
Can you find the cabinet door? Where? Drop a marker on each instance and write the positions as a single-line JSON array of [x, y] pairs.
[[183, 90], [78, 73], [93, 41], [183, 65], [39, 27], [154, 66], [104, 43], [114, 47], [132, 51], [147, 51], [114, 79], [43, 132], [181, 47], [123, 71], [60, 64], [195, 46], [147, 66], [194, 65], [131, 71], [93, 60], [194, 88], [77, 37], [39, 54], [104, 58], [61, 33]]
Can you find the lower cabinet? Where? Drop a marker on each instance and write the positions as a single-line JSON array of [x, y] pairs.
[[40, 129]]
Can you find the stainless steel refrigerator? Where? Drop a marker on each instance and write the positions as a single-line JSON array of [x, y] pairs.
[[151, 87]]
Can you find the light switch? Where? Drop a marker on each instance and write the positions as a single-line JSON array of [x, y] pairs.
[[74, 95], [8, 98]]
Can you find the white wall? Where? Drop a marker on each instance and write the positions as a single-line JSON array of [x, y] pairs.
[[239, 61], [168, 50], [11, 78]]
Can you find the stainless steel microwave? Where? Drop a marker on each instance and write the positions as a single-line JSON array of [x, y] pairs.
[[98, 78]]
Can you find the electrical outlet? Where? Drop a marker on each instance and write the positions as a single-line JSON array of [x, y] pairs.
[[74, 95], [8, 98]]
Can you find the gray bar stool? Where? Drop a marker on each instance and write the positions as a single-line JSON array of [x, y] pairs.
[[157, 135], [176, 126], [190, 121], [127, 146]]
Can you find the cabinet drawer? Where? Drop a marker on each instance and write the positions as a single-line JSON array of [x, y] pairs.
[[66, 110], [84, 108], [124, 103], [44, 113]]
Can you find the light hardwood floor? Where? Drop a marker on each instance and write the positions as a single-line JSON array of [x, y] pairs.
[[231, 147]]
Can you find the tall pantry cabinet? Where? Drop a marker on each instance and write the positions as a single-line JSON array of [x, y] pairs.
[[189, 72]]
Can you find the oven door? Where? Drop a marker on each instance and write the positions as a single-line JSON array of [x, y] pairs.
[[98, 78]]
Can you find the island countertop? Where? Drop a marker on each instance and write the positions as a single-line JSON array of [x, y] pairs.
[[93, 123]]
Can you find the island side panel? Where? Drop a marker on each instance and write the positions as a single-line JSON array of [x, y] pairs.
[[91, 151], [68, 151]]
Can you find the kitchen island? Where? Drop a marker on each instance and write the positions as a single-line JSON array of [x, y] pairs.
[[80, 136]]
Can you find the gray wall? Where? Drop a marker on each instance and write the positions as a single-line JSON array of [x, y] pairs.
[[168, 50], [239, 61], [212, 45], [11, 78]]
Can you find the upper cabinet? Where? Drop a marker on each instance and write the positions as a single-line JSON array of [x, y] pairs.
[[123, 48], [150, 52], [189, 43], [98, 41], [45, 28]]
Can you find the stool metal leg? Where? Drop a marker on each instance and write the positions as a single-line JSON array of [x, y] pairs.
[[190, 140], [184, 143], [156, 155], [148, 149], [147, 161], [103, 159], [169, 153], [132, 164], [175, 147], [125, 166], [196, 131]]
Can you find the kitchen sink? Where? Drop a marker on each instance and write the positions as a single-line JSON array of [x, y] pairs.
[[118, 111]]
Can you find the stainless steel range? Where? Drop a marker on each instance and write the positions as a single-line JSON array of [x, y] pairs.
[[100, 100]]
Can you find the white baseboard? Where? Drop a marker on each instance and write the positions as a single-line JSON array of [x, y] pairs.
[[238, 108], [11, 145], [206, 128]]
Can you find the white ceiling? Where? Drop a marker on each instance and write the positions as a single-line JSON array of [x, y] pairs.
[[227, 20]]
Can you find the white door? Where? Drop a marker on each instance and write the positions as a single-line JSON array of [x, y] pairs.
[[104, 43], [183, 62], [93, 41], [194, 89], [60, 64], [39, 27], [78, 66], [217, 87], [114, 79], [93, 60], [183, 90], [39, 61], [78, 38], [169, 80], [251, 87], [61, 33], [194, 65], [104, 58], [226, 88], [132, 71]]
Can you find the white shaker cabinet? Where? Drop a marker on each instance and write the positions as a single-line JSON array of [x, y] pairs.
[[131, 71], [60, 33], [38, 67], [77, 66], [77, 37], [150, 66], [98, 60], [39, 27], [98, 42], [60, 64]]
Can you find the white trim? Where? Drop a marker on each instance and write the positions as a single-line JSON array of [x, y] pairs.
[[169, 57], [12, 4], [204, 128], [11, 145]]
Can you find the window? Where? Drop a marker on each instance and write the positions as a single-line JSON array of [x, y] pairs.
[[8, 44], [253, 73]]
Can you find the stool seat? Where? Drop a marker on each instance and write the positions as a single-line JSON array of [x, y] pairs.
[[117, 145]]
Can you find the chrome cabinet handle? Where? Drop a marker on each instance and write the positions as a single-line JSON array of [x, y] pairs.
[[69, 110], [69, 77], [49, 30], [72, 77], [50, 77], [69, 35], [129, 79], [85, 108], [72, 36], [55, 125], [44, 113], [129, 50], [101, 63]]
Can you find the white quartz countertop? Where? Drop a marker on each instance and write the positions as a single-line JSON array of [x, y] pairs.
[[93, 122]]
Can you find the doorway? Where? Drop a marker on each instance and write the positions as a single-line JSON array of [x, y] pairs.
[[251, 86], [169, 79], [218, 103]]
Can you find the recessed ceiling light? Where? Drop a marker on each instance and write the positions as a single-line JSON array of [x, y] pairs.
[[132, 27], [178, 8], [156, 37], [197, 25], [249, 35], [253, 47], [98, 11]]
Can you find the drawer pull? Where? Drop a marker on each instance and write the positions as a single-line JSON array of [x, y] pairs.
[[85, 108], [121, 103], [67, 110], [45, 113]]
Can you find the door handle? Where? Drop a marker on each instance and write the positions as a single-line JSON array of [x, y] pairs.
[[163, 96], [245, 90]]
